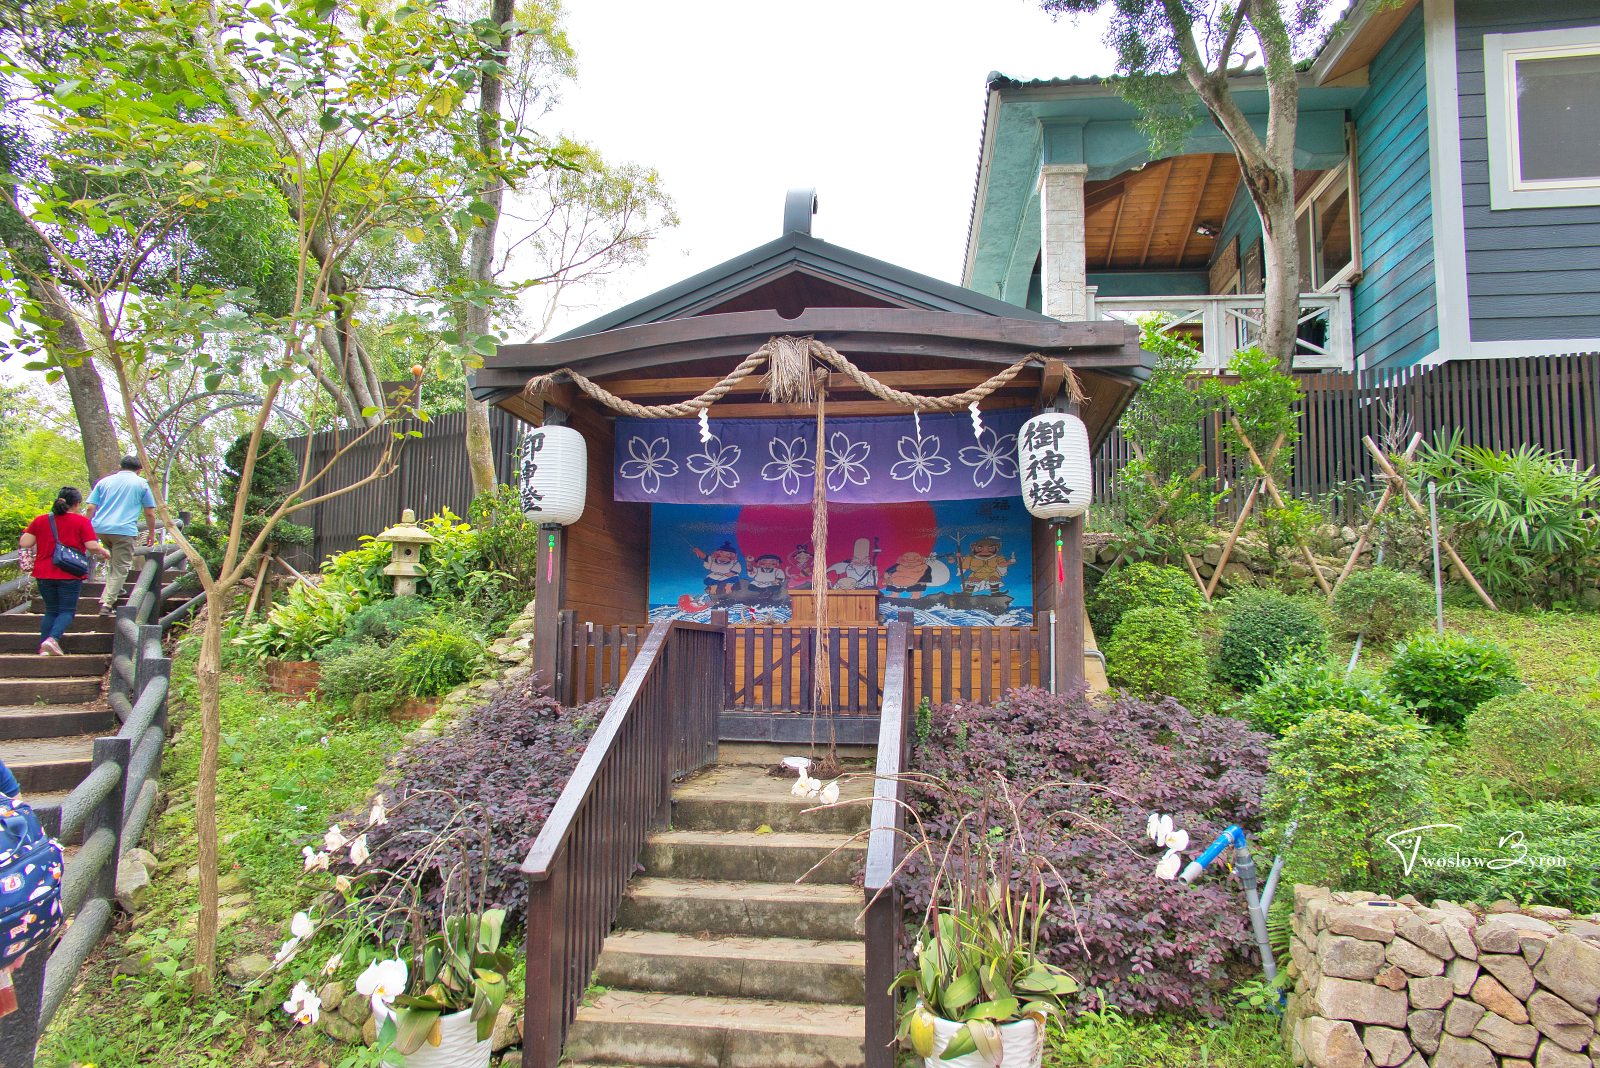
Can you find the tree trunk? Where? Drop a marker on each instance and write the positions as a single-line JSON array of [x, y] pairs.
[[480, 248], [1280, 270], [208, 673]]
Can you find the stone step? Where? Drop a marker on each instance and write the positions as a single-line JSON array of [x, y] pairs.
[[74, 641], [790, 969], [28, 623], [89, 605], [745, 798], [54, 721], [775, 910], [765, 754], [63, 691], [649, 1030], [44, 764], [747, 856], [33, 666]]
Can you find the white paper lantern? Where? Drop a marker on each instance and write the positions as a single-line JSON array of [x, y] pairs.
[[553, 474], [1056, 466]]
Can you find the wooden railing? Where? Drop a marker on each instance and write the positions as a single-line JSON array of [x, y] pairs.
[[885, 929], [770, 667], [107, 811], [1224, 323], [662, 724]]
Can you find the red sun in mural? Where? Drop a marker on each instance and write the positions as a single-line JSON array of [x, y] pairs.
[[883, 531]]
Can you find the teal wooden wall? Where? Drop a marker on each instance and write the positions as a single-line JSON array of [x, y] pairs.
[[1396, 319]]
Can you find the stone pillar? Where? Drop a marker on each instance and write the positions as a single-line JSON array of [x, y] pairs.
[[1064, 270]]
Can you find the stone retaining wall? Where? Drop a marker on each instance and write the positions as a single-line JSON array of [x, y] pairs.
[[1380, 982]]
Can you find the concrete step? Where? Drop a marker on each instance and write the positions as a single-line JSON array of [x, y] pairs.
[[44, 764], [33, 666], [63, 691], [747, 856], [765, 754], [790, 969], [745, 798], [54, 721], [642, 1029], [28, 623], [74, 641], [775, 910]]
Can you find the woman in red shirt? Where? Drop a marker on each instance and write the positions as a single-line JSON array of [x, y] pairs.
[[58, 589]]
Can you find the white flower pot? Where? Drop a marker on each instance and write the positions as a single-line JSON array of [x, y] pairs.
[[458, 1045], [1022, 1042]]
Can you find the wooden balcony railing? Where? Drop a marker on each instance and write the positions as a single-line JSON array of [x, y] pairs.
[[1221, 324], [885, 929], [661, 724]]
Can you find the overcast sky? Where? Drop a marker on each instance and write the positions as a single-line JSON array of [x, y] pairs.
[[878, 104]]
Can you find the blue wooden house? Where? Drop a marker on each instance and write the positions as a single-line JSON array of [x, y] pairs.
[[1448, 188]]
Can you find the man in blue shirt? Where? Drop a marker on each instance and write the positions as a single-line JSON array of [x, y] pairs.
[[113, 507]]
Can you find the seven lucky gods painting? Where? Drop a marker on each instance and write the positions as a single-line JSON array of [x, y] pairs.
[[952, 563]]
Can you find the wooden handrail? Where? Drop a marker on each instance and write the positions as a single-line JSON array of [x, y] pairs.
[[662, 724], [886, 848]]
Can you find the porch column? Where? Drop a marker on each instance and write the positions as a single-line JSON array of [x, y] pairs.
[[549, 594], [1064, 268]]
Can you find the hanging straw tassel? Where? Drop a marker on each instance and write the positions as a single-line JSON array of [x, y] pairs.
[[788, 379]]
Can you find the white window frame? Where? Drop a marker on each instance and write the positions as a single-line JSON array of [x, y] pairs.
[[1341, 173], [1501, 53]]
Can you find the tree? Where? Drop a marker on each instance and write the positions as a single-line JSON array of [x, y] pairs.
[[1172, 52], [348, 107]]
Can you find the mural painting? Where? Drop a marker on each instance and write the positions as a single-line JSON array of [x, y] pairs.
[[952, 563]]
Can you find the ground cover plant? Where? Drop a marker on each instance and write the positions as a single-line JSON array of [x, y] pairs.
[[1151, 946], [1245, 1037], [1540, 745], [1306, 683]]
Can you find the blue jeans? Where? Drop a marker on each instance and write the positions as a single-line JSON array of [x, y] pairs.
[[60, 597]]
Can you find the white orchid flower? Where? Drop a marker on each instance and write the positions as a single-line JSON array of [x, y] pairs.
[[304, 1005], [1158, 827], [1177, 841], [1168, 868], [315, 861], [334, 840], [301, 926], [806, 786], [379, 814], [382, 982], [359, 851], [342, 883], [830, 792], [285, 952], [333, 964]]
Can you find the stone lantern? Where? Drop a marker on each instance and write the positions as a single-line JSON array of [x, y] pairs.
[[406, 540]]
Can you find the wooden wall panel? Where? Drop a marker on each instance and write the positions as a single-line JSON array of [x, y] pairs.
[[608, 550]]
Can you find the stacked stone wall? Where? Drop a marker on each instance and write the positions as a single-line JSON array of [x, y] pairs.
[[1386, 983]]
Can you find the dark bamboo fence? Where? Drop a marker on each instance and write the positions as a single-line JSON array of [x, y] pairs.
[[1549, 401], [432, 474]]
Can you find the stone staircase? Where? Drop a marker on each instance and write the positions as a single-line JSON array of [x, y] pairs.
[[719, 958], [53, 707]]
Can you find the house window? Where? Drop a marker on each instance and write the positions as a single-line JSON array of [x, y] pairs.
[[1542, 103], [1326, 227]]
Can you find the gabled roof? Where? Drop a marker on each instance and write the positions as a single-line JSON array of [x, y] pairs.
[[870, 281]]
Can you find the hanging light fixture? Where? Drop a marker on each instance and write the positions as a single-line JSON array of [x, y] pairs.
[[553, 475], [1056, 466]]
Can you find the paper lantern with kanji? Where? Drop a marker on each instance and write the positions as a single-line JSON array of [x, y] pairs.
[[553, 474], [1056, 466]]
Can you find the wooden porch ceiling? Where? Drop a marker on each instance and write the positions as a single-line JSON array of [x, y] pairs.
[[1148, 218]]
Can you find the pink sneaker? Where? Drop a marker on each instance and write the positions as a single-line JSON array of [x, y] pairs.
[[51, 647]]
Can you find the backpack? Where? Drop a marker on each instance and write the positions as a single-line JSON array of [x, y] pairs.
[[30, 882]]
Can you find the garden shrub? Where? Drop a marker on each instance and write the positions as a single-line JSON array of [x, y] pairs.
[[383, 621], [1304, 684], [1445, 676], [434, 656], [1381, 603], [511, 756], [363, 674], [1151, 945], [1545, 747], [306, 619], [1264, 629], [1347, 781], [1143, 585], [508, 540], [1545, 855], [1155, 652]]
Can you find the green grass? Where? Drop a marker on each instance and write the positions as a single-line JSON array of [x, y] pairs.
[[288, 770], [1245, 1038]]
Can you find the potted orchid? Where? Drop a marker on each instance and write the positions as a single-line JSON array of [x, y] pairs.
[[438, 986]]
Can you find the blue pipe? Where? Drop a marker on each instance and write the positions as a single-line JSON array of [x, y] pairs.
[[1232, 835]]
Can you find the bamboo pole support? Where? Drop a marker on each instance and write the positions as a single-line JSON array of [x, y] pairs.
[[1417, 507], [1377, 513], [1233, 536], [1156, 516], [1277, 499]]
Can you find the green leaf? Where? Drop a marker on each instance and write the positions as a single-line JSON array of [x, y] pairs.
[[412, 1027], [330, 120], [998, 1009], [961, 990], [962, 1044], [369, 411]]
